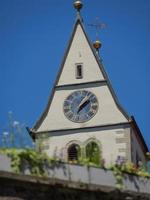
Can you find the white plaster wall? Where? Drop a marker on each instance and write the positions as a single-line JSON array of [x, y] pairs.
[[107, 138], [136, 147], [80, 52], [108, 113]]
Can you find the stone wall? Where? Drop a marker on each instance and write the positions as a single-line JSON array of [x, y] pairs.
[[24, 187], [69, 182]]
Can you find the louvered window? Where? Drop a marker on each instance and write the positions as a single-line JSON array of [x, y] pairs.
[[79, 71], [73, 152]]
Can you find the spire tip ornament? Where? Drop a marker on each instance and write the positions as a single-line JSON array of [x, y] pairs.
[[78, 5], [97, 44]]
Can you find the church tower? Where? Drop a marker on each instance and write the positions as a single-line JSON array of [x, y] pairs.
[[83, 117]]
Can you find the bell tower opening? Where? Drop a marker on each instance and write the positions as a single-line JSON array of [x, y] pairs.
[[73, 152], [79, 71], [93, 153]]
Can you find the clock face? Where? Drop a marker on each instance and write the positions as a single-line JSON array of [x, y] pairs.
[[80, 106]]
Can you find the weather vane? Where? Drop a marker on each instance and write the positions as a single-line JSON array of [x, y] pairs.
[[98, 26]]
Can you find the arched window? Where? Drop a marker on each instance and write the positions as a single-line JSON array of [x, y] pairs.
[[93, 153], [74, 152]]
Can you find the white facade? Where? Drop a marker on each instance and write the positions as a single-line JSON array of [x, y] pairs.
[[80, 52], [106, 139], [110, 128], [108, 113]]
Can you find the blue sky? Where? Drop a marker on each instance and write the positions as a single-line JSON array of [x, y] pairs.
[[33, 38]]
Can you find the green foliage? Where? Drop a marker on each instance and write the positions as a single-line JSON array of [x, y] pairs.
[[127, 168], [28, 158], [93, 153], [118, 174], [37, 164], [87, 162], [131, 168]]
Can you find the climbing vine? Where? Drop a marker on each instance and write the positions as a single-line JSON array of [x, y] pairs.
[[93, 153], [119, 171], [22, 159], [37, 164]]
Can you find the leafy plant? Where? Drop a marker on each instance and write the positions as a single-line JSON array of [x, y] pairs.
[[93, 153], [22, 158], [38, 164], [121, 168]]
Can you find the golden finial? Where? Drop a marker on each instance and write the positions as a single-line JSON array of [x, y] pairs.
[[98, 26], [78, 5], [97, 44]]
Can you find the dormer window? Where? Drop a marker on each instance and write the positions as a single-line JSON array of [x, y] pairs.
[[79, 71]]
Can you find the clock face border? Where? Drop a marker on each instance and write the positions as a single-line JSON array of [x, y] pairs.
[[85, 120]]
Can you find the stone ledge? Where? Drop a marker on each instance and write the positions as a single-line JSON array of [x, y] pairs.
[[73, 178], [21, 178], [14, 186]]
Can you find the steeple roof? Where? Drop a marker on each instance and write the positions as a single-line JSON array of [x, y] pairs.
[[79, 22], [110, 113]]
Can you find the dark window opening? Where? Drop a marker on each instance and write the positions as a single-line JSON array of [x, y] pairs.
[[79, 71], [73, 152]]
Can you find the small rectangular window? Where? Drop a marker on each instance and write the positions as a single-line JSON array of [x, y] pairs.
[[79, 71]]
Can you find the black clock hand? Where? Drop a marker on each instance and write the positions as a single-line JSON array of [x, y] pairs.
[[83, 105]]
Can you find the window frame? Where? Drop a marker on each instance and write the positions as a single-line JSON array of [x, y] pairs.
[[74, 152], [76, 70], [89, 152]]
